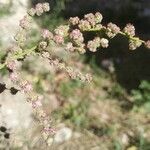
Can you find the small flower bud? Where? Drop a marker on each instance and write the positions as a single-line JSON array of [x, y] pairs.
[[134, 44], [98, 17], [91, 19], [45, 54], [25, 22], [97, 41], [26, 86], [74, 20], [32, 12], [11, 64], [84, 25], [94, 44], [69, 47], [129, 30], [43, 45], [41, 114], [91, 45], [46, 7], [58, 39], [46, 34], [113, 28], [77, 36], [39, 9], [62, 30], [14, 76], [36, 104], [81, 49], [147, 44], [49, 130], [104, 42], [98, 26], [88, 77]]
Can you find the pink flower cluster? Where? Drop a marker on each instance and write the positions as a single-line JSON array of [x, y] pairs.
[[46, 34], [26, 86], [11, 64], [39, 9], [74, 20], [77, 37], [35, 101], [93, 19], [112, 30], [73, 73], [25, 22], [129, 29], [147, 44], [97, 42], [89, 21], [134, 43]]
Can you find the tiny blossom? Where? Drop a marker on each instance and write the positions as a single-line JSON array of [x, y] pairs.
[[110, 34], [26, 86], [46, 54], [62, 30], [74, 20], [77, 36], [46, 34], [49, 130], [98, 26], [129, 29], [36, 104], [25, 22], [147, 44], [43, 45], [81, 50], [14, 76], [113, 28], [41, 114], [88, 77], [46, 121], [54, 62], [69, 47], [104, 42], [39, 9], [72, 73], [12, 64], [46, 7], [90, 18], [59, 39], [98, 17], [84, 25], [134, 44], [92, 46], [20, 37], [31, 12], [97, 41], [81, 76], [61, 66]]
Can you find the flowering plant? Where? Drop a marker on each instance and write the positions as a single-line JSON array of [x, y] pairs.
[[72, 38]]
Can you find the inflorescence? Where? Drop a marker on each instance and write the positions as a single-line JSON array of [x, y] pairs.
[[71, 37]]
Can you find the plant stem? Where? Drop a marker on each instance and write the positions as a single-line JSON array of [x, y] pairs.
[[19, 55]]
